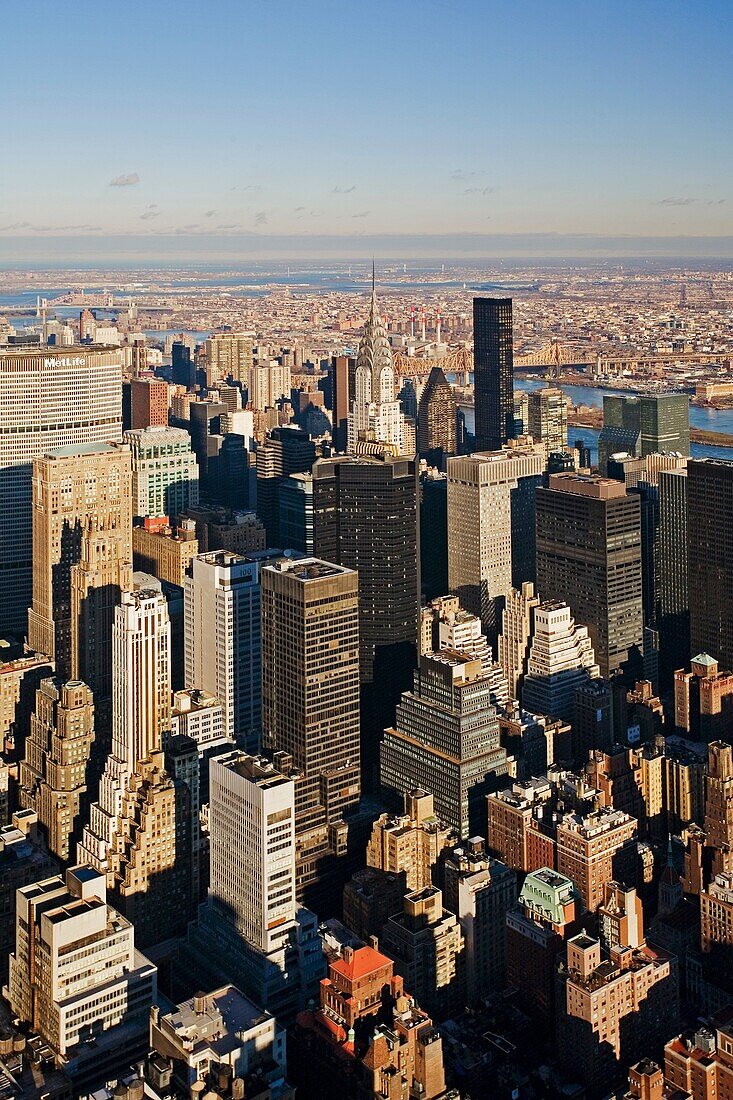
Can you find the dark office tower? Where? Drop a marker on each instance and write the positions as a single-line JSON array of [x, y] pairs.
[[644, 425], [343, 372], [589, 555], [493, 372], [673, 611], [286, 451], [649, 519], [183, 369], [365, 517], [310, 704], [584, 455], [205, 417], [710, 558], [407, 397], [433, 534], [436, 419], [231, 485]]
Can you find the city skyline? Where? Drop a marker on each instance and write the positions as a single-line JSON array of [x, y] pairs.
[[283, 137]]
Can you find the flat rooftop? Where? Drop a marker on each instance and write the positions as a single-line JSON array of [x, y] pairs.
[[81, 449]]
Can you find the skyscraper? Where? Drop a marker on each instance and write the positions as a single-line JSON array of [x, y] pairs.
[[223, 653], [54, 775], [548, 419], [165, 475], [229, 355], [141, 699], [366, 519], [516, 633], [589, 556], [310, 702], [644, 425], [560, 660], [285, 451], [488, 526], [82, 556], [149, 401], [710, 558], [436, 419], [376, 419], [49, 398], [445, 740], [493, 357], [673, 614]]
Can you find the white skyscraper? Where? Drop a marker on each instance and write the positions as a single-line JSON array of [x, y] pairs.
[[376, 415], [49, 397], [141, 697], [561, 659], [222, 639], [252, 825]]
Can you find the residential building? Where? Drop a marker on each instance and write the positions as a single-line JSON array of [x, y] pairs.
[[409, 844], [24, 859], [164, 551], [436, 419], [594, 849], [516, 631], [548, 419], [229, 355], [493, 365]]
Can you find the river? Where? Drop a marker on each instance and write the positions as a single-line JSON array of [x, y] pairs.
[[711, 420]]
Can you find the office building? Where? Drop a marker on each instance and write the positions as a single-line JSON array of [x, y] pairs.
[[285, 451], [19, 678], [54, 776], [480, 890], [165, 475], [493, 365], [24, 859], [183, 367], [428, 948], [560, 660], [594, 849], [370, 897], [489, 527], [54, 988], [548, 419], [546, 913], [445, 740], [589, 555], [366, 519], [223, 529], [50, 397], [250, 926], [596, 1038], [343, 393], [223, 648], [436, 419], [710, 558], [409, 844], [643, 425], [82, 557], [141, 696], [367, 1038], [296, 513], [229, 355], [163, 551], [433, 533], [376, 420], [220, 1037], [310, 705], [673, 612], [517, 621], [149, 402], [198, 716]]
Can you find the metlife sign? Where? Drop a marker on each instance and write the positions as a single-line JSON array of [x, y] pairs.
[[64, 361]]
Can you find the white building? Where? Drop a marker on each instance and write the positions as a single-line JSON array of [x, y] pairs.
[[376, 414], [252, 824], [268, 382], [165, 473], [561, 659], [200, 715], [141, 694], [49, 398], [75, 973], [222, 639]]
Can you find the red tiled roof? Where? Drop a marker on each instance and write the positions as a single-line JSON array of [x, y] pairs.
[[364, 961]]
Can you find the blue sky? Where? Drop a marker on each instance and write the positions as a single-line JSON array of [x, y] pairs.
[[295, 120]]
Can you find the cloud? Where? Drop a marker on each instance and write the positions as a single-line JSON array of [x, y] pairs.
[[261, 218], [362, 214], [479, 191], [149, 213], [675, 202], [49, 228], [231, 225], [715, 202], [299, 209], [128, 180], [463, 175], [344, 190], [210, 213]]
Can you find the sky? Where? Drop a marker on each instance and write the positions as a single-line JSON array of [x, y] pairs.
[[177, 127]]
